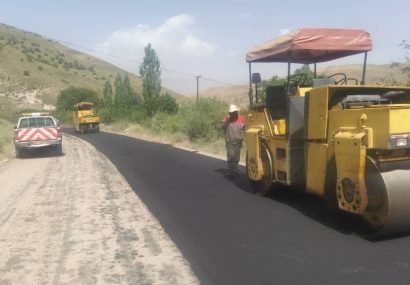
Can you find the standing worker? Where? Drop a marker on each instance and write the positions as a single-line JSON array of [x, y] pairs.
[[234, 129]]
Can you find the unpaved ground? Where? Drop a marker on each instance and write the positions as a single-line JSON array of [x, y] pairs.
[[74, 220]]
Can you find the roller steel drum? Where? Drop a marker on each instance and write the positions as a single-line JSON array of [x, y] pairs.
[[388, 210]]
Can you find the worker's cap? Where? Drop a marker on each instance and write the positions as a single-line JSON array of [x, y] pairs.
[[233, 108]]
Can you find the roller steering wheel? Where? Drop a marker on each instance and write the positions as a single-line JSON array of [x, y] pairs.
[[341, 81]]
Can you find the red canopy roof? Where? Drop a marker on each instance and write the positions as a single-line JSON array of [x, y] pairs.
[[312, 45]]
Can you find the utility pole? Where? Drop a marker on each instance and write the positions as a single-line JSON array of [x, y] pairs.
[[197, 88]]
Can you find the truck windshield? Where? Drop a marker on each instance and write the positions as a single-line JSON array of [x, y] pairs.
[[36, 122], [85, 107]]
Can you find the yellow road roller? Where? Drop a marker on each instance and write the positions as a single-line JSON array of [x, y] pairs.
[[85, 118], [339, 139]]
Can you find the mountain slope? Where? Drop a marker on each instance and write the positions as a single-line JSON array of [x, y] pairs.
[[33, 70]]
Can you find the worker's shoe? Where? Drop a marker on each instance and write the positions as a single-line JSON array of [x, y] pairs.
[[231, 174]]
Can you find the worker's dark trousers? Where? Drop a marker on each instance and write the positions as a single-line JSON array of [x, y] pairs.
[[233, 153]]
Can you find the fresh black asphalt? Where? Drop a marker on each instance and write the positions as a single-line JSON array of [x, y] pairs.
[[232, 236]]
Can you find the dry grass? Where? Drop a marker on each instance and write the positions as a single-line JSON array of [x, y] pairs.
[[6, 138]]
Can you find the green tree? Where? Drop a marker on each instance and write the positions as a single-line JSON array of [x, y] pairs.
[[406, 67], [200, 122], [166, 103], [150, 73], [107, 94], [305, 69], [70, 96], [125, 96], [119, 91], [128, 92], [130, 98]]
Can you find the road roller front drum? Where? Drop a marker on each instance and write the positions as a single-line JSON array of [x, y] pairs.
[[388, 193]]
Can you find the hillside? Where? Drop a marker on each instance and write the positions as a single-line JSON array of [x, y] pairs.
[[33, 70], [375, 74]]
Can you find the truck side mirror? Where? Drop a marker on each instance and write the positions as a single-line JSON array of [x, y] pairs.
[[256, 78]]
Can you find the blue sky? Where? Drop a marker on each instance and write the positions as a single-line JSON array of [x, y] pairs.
[[205, 37]]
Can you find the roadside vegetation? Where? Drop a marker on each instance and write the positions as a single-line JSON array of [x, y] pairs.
[[7, 115], [153, 114], [6, 136]]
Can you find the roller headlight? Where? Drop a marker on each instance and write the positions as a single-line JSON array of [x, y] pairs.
[[399, 141]]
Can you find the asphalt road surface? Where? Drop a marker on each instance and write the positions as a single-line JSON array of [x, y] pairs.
[[231, 236]]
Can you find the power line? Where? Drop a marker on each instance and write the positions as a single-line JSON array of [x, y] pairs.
[[138, 62], [220, 82]]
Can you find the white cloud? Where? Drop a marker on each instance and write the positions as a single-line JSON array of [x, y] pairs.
[[196, 46], [176, 41], [174, 38], [284, 31]]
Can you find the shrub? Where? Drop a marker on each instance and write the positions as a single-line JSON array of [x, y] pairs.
[[26, 73], [68, 65], [138, 114], [106, 115], [200, 121], [166, 103], [72, 95], [40, 68], [164, 122], [6, 134]]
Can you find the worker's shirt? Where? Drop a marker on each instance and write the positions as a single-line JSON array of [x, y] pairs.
[[234, 130]]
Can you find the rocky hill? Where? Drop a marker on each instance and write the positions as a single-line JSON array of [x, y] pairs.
[[33, 70], [390, 74]]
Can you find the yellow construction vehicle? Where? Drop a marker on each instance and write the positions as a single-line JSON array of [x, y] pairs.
[[84, 118], [339, 139]]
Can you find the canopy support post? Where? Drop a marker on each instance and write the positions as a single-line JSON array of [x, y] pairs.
[[314, 70], [250, 92], [364, 69], [289, 75]]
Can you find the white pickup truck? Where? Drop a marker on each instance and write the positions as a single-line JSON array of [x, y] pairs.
[[35, 131]]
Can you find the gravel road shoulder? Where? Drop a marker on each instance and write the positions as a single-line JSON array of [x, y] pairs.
[[74, 219]]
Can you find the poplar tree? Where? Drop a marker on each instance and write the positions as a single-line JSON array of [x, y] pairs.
[[119, 90], [107, 93], [150, 73]]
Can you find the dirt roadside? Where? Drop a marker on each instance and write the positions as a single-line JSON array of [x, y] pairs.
[[74, 219]]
